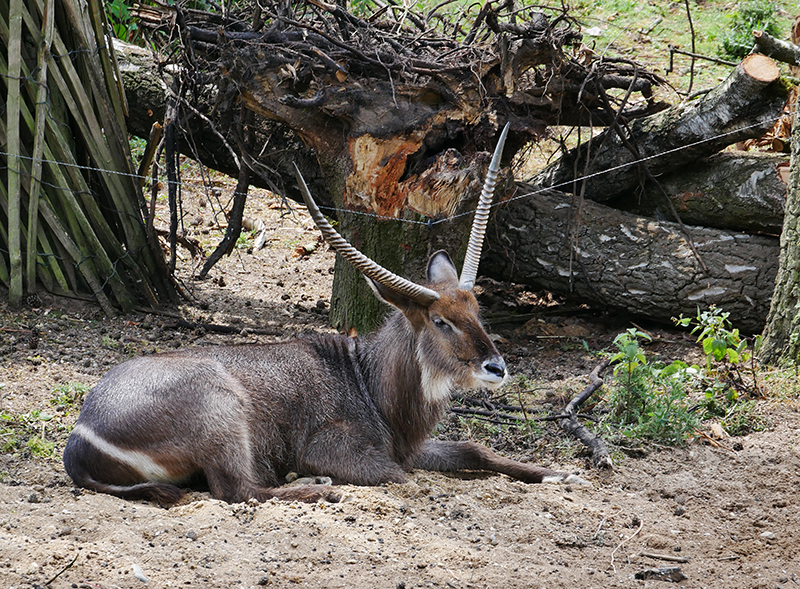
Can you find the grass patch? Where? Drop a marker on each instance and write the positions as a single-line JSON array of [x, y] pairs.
[[39, 432]]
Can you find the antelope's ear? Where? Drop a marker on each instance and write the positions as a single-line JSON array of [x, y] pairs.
[[392, 297], [441, 269]]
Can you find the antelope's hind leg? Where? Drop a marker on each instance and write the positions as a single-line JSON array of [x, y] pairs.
[[347, 455], [232, 476]]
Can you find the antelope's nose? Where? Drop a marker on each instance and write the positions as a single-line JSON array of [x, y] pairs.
[[495, 366]]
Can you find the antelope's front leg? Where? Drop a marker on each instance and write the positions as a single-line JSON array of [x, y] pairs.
[[453, 456]]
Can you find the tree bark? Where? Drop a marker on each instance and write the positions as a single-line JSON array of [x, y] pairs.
[[782, 332], [622, 262], [744, 106], [738, 191]]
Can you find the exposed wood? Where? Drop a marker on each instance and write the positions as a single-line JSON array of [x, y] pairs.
[[81, 223], [627, 263], [739, 191], [776, 48], [14, 168], [38, 143], [745, 105]]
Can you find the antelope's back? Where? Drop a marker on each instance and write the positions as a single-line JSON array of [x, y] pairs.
[[284, 386]]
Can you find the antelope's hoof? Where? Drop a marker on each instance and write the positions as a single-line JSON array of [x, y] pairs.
[[564, 478]]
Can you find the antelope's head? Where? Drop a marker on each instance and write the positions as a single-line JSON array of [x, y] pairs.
[[452, 345]]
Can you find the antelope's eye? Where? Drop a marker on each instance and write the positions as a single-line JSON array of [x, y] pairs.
[[441, 323]]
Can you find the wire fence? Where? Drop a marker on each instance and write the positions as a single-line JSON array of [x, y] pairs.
[[448, 218]]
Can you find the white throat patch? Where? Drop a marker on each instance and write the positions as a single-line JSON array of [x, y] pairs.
[[435, 388]]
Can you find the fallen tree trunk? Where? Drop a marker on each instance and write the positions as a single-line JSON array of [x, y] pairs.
[[619, 261], [543, 261], [744, 106], [400, 119], [738, 191]]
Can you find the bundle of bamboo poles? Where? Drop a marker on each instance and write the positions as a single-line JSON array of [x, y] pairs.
[[72, 207]]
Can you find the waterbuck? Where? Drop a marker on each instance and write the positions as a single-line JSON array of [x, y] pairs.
[[359, 411]]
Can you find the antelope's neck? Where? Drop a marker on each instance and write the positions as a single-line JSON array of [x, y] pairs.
[[406, 392]]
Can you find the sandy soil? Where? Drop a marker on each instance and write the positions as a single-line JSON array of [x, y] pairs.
[[725, 517]]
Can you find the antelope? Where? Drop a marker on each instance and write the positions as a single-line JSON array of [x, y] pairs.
[[358, 411]]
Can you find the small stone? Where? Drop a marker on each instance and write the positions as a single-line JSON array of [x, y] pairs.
[[192, 535], [138, 574], [767, 535], [33, 498], [263, 580]]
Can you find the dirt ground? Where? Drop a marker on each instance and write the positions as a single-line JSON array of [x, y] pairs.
[[724, 517]]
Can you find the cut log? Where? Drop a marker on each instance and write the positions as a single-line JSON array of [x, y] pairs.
[[776, 49], [622, 262], [744, 106], [739, 191]]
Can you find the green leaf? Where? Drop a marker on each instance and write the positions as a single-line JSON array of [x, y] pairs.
[[719, 347]]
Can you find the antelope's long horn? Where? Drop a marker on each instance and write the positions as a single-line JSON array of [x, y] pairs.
[[470, 268], [420, 294]]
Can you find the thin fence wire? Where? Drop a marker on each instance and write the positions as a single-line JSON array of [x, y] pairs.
[[431, 222]]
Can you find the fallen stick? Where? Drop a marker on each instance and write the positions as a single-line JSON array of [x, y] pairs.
[[667, 557], [569, 420], [776, 48]]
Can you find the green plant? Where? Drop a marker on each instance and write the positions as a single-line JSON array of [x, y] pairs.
[[730, 375], [245, 239], [40, 447], [649, 401], [68, 396], [729, 361], [122, 23], [9, 441], [37, 430], [750, 15]]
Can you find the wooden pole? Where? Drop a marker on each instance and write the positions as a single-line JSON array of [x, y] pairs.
[[38, 143], [14, 163]]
